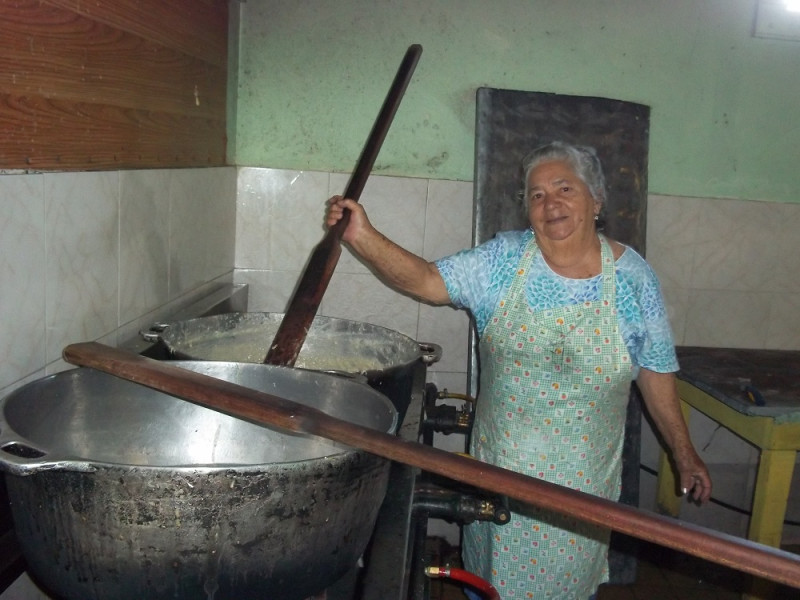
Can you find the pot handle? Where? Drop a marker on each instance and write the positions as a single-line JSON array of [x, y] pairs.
[[430, 352], [18, 457], [153, 334]]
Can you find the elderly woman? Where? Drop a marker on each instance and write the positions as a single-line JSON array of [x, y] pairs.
[[567, 318]]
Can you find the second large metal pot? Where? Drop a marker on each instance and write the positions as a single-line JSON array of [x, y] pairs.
[[385, 357], [119, 491]]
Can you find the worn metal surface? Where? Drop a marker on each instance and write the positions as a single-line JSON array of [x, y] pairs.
[[119, 491], [511, 123], [223, 298], [389, 562]]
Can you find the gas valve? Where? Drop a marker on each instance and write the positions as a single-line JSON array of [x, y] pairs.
[[444, 418], [458, 506]]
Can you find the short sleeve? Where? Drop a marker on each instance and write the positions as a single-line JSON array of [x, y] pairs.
[[478, 278], [643, 315]]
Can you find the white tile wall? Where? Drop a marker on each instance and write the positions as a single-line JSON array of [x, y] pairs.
[[144, 209], [99, 256], [202, 226], [87, 256], [430, 218], [729, 274], [22, 277], [82, 252], [729, 270]]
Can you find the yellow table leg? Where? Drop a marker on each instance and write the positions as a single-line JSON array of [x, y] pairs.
[[771, 494], [668, 498], [773, 481]]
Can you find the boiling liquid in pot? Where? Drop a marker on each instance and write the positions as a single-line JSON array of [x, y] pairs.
[[325, 350]]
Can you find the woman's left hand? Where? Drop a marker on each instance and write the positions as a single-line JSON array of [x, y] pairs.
[[660, 396], [693, 474]]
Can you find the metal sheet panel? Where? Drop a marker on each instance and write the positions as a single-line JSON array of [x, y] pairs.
[[512, 123]]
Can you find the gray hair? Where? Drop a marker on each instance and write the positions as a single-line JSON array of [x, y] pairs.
[[583, 159]]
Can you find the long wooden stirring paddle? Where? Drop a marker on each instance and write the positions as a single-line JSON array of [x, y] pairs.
[[307, 297]]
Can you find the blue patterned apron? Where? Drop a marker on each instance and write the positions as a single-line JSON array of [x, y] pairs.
[[554, 391]]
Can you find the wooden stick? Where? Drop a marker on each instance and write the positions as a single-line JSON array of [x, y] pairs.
[[259, 407], [307, 297]]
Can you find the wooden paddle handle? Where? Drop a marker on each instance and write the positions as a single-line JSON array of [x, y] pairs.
[[307, 297], [379, 130], [258, 407]]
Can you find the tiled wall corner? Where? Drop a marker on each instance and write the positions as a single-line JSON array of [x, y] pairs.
[[144, 241]]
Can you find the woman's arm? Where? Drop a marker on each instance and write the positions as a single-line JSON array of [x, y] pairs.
[[396, 266], [661, 399]]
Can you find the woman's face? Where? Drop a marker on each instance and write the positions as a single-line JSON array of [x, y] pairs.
[[560, 204]]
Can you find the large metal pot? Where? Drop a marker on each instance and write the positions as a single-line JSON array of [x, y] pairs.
[[119, 491], [385, 357]]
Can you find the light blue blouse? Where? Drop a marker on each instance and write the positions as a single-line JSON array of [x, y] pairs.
[[477, 279]]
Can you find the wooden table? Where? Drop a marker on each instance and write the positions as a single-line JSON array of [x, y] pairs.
[[711, 380]]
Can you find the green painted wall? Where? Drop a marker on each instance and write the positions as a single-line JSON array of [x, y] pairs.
[[725, 106]]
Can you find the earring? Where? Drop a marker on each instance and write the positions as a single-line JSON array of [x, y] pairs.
[[596, 217]]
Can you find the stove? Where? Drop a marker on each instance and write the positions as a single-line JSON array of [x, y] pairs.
[[394, 565], [387, 570]]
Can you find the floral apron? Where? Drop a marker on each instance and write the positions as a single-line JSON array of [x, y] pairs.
[[555, 390]]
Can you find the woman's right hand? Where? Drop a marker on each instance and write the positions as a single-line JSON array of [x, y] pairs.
[[337, 205], [397, 267]]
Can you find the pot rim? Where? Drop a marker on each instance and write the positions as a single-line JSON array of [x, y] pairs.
[[21, 456], [163, 333]]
